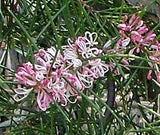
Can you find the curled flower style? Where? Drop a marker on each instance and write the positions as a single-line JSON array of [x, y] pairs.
[[86, 49], [21, 93], [80, 50], [98, 68], [71, 55], [52, 74], [26, 75]]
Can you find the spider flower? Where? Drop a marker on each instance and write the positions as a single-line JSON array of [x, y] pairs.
[[52, 74], [77, 52], [47, 85], [135, 37], [134, 31]]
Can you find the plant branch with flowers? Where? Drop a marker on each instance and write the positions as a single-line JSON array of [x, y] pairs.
[[46, 76]]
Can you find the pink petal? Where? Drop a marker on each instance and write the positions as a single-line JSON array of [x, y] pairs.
[[132, 51], [142, 30], [43, 100], [125, 42], [136, 37], [132, 19], [63, 100], [139, 24], [149, 77], [158, 77], [150, 37], [125, 62]]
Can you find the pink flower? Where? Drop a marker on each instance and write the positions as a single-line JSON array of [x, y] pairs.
[[71, 55], [47, 77], [142, 30], [135, 30], [149, 37], [136, 38], [98, 68], [149, 77], [26, 75], [134, 22]]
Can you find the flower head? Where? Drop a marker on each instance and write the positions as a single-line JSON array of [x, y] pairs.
[[135, 31], [47, 76]]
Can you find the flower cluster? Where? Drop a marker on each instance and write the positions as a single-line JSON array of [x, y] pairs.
[[134, 31], [135, 38], [56, 77]]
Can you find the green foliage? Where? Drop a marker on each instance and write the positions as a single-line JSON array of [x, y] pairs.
[[44, 23]]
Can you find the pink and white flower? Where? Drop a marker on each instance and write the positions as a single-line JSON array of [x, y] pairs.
[[135, 30], [47, 76]]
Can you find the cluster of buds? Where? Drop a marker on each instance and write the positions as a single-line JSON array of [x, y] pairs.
[[56, 77], [134, 31], [135, 38]]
